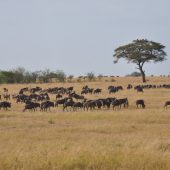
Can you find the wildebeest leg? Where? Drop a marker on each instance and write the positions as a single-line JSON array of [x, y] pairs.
[[113, 107]]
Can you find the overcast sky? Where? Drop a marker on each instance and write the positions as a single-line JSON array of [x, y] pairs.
[[79, 36]]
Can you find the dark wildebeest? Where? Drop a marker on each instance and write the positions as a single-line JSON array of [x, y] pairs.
[[166, 104], [62, 101], [31, 106], [36, 89], [77, 105], [89, 104], [97, 91], [112, 89], [92, 104], [58, 96], [67, 104], [140, 103], [46, 105], [87, 90], [76, 96], [5, 105], [70, 88], [139, 88], [129, 86], [120, 102], [107, 102]]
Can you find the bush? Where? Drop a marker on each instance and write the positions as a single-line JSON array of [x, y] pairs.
[[91, 76], [134, 74]]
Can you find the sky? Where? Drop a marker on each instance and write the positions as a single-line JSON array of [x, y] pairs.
[[80, 36]]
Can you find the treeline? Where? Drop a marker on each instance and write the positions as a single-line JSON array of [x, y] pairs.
[[21, 75]]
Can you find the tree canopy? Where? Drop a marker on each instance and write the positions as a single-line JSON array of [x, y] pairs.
[[140, 52]]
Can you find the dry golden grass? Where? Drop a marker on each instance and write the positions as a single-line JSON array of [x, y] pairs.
[[127, 139]]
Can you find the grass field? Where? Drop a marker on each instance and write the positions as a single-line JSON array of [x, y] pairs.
[[126, 139]]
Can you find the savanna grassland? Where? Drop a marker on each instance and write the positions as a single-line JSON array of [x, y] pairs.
[[122, 139]]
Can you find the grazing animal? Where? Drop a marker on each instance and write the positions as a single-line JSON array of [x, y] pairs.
[[90, 104], [67, 104], [116, 103], [62, 101], [107, 102], [120, 102], [112, 89], [5, 105], [140, 103], [46, 105], [139, 88], [31, 106], [166, 104], [76, 96], [58, 96], [97, 91], [129, 86], [77, 105]]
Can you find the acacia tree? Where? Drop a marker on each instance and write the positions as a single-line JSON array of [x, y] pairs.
[[141, 52]]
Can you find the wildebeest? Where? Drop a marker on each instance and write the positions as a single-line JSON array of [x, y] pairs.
[[77, 105], [107, 102], [22, 98], [5, 105], [140, 103], [166, 104], [86, 90], [67, 104], [90, 104], [76, 96], [58, 96], [70, 88], [138, 88], [97, 91], [120, 102], [31, 106], [129, 86], [62, 101], [46, 105], [114, 89], [36, 89]]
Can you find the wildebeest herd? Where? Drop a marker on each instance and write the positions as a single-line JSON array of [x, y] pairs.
[[39, 99]]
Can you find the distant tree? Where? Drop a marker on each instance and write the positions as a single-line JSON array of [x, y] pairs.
[[31, 77], [70, 77], [44, 76], [60, 75], [141, 52], [100, 76], [19, 74], [134, 74], [7, 77], [91, 76]]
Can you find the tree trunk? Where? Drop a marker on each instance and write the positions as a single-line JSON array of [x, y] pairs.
[[143, 74]]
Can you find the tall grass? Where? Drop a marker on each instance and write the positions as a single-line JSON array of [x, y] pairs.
[[127, 139]]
